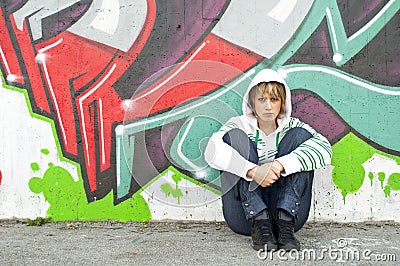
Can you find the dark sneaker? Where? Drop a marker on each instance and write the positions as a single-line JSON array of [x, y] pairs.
[[262, 236], [286, 238]]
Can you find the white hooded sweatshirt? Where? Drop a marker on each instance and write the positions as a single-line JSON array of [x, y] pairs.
[[314, 153]]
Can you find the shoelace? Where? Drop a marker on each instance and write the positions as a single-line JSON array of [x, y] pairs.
[[286, 229], [265, 228]]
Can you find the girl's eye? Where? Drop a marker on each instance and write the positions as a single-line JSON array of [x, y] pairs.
[[274, 99], [261, 99]]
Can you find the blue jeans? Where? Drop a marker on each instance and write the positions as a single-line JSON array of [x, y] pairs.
[[291, 193]]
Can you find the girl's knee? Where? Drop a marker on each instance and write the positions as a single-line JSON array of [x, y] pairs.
[[298, 134], [293, 138], [234, 134]]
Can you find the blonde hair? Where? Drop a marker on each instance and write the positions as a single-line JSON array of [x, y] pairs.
[[274, 89]]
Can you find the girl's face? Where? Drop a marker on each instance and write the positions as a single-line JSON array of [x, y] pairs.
[[267, 108]]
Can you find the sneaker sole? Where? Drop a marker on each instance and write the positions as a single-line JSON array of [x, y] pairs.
[[289, 248], [262, 247]]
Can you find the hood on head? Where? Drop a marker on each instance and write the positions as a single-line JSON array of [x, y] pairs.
[[267, 75]]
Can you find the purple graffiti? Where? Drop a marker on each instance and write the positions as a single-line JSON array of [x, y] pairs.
[[311, 108], [187, 23]]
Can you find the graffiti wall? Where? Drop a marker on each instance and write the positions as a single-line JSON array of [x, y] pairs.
[[106, 105]]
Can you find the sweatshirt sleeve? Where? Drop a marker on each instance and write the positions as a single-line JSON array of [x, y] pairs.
[[314, 153], [222, 156]]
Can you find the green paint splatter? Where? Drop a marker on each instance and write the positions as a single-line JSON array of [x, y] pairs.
[[348, 156], [174, 192], [182, 176], [35, 167], [386, 190], [344, 193], [45, 151], [381, 178], [176, 178], [394, 181], [68, 201], [371, 177], [167, 189], [71, 202]]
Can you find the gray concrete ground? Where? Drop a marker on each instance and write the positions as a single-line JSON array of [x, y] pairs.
[[190, 243]]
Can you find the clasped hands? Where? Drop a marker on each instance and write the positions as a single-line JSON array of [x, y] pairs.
[[266, 174]]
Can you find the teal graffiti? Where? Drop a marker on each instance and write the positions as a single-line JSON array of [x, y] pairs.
[[344, 47], [187, 149], [357, 101]]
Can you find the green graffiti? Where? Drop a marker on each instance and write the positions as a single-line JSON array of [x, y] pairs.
[[174, 192], [394, 181], [386, 190], [35, 167], [371, 177], [177, 177], [348, 156], [67, 200], [381, 178], [169, 190], [45, 151]]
